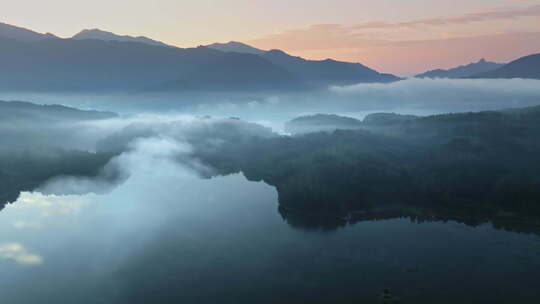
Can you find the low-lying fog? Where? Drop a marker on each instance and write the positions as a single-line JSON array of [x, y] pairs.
[[167, 236], [153, 226], [411, 96]]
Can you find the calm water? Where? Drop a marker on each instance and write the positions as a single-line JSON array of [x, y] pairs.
[[166, 236]]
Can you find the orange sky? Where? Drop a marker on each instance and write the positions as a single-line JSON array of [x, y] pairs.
[[407, 48], [394, 36]]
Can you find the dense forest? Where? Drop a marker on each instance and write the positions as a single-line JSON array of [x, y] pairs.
[[470, 166], [483, 164]]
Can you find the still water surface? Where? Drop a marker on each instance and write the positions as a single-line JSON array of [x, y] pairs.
[[167, 236]]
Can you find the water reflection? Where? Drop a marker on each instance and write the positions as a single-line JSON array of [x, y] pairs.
[[168, 236], [317, 222], [19, 254]]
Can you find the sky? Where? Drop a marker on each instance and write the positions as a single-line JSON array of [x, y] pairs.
[[394, 36]]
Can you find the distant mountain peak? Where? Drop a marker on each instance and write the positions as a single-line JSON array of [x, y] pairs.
[[98, 34], [463, 71], [86, 31], [232, 42], [237, 47], [11, 32], [277, 52], [524, 67]]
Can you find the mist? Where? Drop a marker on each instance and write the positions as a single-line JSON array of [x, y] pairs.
[[160, 193], [410, 96], [65, 235], [445, 95], [203, 123]]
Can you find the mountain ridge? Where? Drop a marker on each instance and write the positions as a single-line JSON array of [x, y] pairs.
[[94, 60], [463, 70], [523, 67], [21, 34], [98, 34], [235, 46], [104, 65]]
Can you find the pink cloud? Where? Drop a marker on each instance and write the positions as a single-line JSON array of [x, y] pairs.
[[500, 14]]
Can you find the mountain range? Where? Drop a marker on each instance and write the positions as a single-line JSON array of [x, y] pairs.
[[463, 71], [97, 34], [21, 34], [96, 60], [524, 67], [238, 47]]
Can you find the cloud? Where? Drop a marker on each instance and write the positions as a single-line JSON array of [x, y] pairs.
[[441, 95], [198, 134], [497, 14], [19, 224], [351, 31], [122, 142], [19, 254], [47, 205], [141, 143], [110, 176]]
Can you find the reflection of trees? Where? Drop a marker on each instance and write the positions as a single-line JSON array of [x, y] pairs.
[[321, 222], [27, 171]]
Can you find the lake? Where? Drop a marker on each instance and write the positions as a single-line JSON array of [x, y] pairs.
[[168, 236]]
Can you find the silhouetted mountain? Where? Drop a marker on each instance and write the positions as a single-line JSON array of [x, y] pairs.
[[313, 72], [524, 67], [471, 69], [96, 65], [21, 34], [326, 72], [237, 47], [100, 61], [98, 34], [236, 71]]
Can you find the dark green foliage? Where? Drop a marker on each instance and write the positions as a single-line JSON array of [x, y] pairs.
[[472, 163], [385, 119]]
